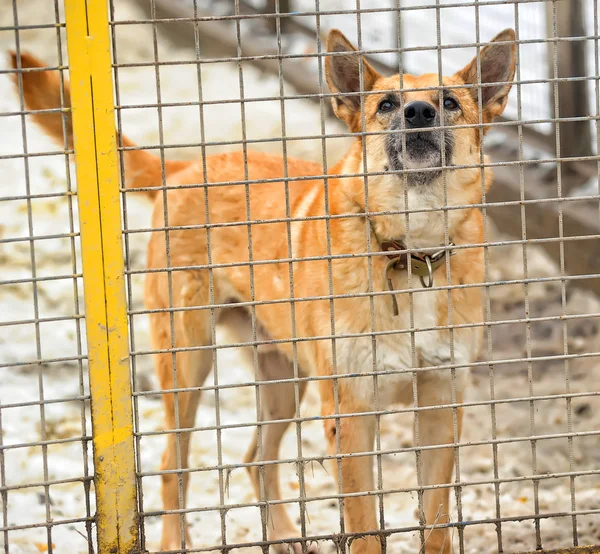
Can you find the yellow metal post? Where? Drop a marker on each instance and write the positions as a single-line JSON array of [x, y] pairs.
[[88, 41]]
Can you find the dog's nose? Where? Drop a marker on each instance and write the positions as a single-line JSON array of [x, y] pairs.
[[419, 114]]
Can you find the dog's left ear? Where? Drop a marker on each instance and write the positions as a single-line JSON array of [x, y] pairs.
[[498, 63], [343, 76]]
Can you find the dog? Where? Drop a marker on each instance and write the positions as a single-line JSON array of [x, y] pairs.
[[371, 284]]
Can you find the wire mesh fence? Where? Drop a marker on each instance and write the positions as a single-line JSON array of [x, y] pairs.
[[343, 336], [45, 469]]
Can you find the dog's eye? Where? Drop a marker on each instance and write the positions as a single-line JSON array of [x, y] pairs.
[[450, 103], [386, 106]]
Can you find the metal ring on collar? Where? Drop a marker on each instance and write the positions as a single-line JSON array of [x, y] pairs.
[[429, 284]]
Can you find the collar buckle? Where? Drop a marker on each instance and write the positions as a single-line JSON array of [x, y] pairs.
[[421, 264]]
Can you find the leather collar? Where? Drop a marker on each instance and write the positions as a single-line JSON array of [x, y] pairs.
[[422, 264]]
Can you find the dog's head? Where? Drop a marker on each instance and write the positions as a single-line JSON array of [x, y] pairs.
[[434, 130]]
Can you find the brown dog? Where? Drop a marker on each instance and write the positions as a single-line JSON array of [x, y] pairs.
[[331, 286]]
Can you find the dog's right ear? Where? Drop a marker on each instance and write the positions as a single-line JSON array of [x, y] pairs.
[[343, 76]]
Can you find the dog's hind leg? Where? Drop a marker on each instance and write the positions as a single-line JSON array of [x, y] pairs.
[[277, 402], [192, 329]]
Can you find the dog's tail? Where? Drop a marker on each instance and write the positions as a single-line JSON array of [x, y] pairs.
[[42, 91]]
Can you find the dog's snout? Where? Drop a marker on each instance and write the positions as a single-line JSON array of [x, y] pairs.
[[419, 114]]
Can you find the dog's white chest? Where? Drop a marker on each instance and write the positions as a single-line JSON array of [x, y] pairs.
[[400, 343]]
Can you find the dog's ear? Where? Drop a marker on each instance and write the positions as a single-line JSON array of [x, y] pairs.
[[343, 76], [498, 63]]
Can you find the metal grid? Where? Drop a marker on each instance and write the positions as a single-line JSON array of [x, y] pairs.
[[529, 402], [45, 467]]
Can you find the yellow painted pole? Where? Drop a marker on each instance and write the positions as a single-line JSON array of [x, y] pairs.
[[90, 70]]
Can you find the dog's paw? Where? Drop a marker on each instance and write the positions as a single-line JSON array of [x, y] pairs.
[[171, 538]]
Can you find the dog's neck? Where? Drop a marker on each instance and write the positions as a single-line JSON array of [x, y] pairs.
[[415, 214]]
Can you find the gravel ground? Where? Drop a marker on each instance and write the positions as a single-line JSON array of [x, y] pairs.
[[64, 423]]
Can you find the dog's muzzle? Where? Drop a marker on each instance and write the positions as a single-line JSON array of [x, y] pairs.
[[423, 139]]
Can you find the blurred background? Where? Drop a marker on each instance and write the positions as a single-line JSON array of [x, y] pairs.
[[43, 382]]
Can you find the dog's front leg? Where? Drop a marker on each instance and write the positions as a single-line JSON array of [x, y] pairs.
[[356, 435], [436, 427]]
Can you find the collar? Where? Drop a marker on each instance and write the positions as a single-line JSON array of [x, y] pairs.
[[422, 264]]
